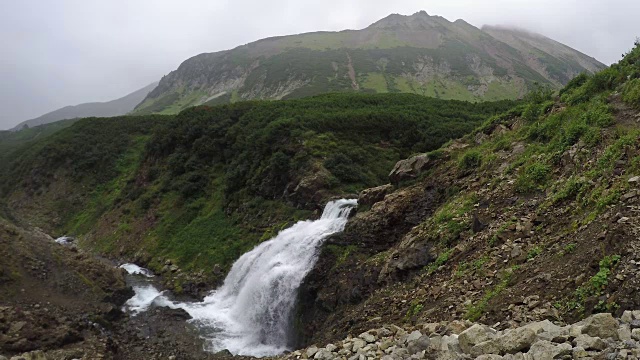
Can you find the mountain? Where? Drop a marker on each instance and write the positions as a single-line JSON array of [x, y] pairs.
[[116, 107], [502, 213], [421, 54]]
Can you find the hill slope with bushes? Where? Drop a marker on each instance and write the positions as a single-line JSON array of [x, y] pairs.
[[200, 188]]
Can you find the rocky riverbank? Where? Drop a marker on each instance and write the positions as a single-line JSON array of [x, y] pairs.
[[599, 336]]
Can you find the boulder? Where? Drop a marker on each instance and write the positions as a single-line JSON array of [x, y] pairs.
[[517, 340], [420, 344], [546, 350], [474, 335], [486, 347], [489, 357], [312, 351], [373, 195], [602, 325], [589, 343], [410, 168], [324, 354]]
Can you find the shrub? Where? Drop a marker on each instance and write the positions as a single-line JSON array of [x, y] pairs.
[[470, 160], [631, 92], [533, 177]]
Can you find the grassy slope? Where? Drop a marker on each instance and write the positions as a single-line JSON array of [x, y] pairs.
[[534, 203], [202, 187]]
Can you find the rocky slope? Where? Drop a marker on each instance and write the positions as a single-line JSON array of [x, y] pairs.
[[421, 54], [115, 107], [597, 337], [534, 216]]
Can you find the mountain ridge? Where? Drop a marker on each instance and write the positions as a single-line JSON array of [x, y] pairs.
[[116, 107], [419, 53]]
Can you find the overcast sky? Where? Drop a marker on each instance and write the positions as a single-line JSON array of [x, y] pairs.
[[66, 52]]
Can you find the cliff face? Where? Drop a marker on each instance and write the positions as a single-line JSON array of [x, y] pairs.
[[419, 54]]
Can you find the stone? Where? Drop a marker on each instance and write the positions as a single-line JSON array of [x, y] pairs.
[[486, 347], [358, 344], [517, 340], [367, 337], [418, 345], [410, 168], [589, 343], [415, 335], [627, 316], [385, 344], [489, 357], [634, 324], [624, 332], [634, 180], [472, 336], [579, 353], [331, 347], [546, 350], [602, 325], [373, 195], [451, 343], [324, 354], [543, 326], [635, 334]]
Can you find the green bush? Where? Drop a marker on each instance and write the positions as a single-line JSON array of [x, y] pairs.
[[631, 92], [533, 177], [470, 160]]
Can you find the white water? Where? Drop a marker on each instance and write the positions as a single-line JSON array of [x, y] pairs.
[[134, 269], [64, 240], [250, 314]]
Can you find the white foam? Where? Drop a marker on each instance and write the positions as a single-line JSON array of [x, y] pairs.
[[134, 269]]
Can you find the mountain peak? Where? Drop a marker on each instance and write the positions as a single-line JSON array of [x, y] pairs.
[[419, 20]]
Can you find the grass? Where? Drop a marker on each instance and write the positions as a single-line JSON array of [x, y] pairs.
[[475, 311]]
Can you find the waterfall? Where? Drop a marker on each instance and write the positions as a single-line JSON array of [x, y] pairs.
[[250, 314]]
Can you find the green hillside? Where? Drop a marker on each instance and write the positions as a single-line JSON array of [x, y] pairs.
[[202, 187]]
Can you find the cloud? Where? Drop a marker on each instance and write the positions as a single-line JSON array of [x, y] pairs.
[[72, 51]]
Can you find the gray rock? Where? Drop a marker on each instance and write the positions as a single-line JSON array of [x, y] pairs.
[[579, 353], [472, 336], [635, 334], [415, 335], [602, 325], [323, 354], [418, 345], [589, 343], [486, 347], [410, 168], [385, 344], [489, 357], [627, 316], [546, 350], [358, 344], [373, 195], [331, 347], [311, 351], [367, 337], [516, 340], [634, 180], [543, 326], [634, 324], [624, 332]]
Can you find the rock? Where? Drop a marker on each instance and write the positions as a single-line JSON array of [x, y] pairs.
[[634, 180], [358, 344], [489, 357], [486, 347], [324, 354], [635, 334], [367, 337], [373, 195], [385, 344], [546, 350], [579, 353], [410, 168], [624, 332], [331, 347], [543, 326], [627, 316], [311, 351], [634, 324], [472, 336], [517, 340], [602, 325], [589, 343], [418, 345], [415, 335]]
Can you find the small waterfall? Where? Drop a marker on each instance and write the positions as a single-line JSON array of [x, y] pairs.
[[250, 314]]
